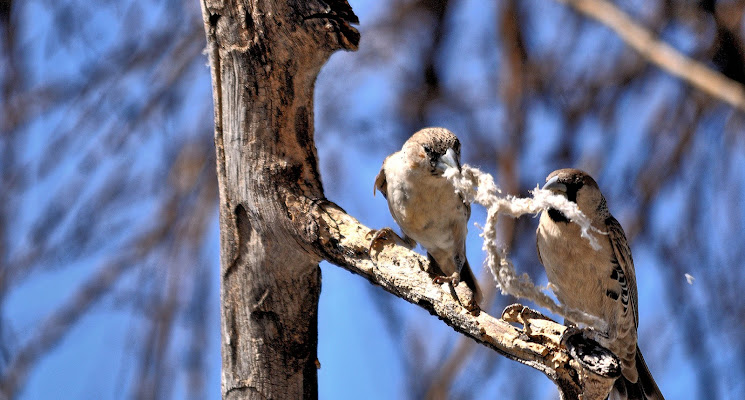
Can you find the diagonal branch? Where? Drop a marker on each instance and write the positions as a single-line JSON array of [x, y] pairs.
[[660, 53], [397, 269]]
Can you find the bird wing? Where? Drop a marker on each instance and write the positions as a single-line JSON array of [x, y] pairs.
[[623, 267], [380, 182], [538, 248]]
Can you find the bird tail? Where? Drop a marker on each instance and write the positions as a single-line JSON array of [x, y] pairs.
[[466, 275], [645, 388]]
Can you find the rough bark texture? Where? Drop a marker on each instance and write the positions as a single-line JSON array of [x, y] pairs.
[[275, 224], [264, 57]]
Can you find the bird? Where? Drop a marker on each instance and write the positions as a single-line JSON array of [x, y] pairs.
[[427, 207], [599, 282]]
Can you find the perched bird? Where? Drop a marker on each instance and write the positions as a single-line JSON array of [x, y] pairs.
[[427, 208], [599, 282]]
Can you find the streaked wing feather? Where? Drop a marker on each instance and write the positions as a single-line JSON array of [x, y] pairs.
[[622, 254]]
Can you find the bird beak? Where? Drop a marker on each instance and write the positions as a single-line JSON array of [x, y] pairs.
[[447, 160], [554, 186]]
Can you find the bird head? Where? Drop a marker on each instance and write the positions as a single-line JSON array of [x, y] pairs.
[[436, 149], [578, 187]]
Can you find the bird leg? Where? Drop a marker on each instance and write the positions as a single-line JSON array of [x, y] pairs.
[[464, 293]]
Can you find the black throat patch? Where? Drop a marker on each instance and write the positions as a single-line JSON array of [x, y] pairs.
[[557, 216], [572, 188]]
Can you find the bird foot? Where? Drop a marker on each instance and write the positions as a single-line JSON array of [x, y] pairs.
[[519, 313], [454, 279], [590, 354]]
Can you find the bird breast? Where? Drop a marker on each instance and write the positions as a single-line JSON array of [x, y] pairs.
[[425, 206], [579, 275]]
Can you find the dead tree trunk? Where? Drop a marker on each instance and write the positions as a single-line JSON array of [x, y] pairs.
[[264, 57], [276, 225]]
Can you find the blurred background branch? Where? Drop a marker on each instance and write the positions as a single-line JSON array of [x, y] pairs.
[[660, 53]]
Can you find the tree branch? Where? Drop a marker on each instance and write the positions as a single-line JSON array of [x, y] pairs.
[[660, 53], [539, 344]]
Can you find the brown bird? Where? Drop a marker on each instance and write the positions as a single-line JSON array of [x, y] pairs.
[[426, 206], [599, 282]]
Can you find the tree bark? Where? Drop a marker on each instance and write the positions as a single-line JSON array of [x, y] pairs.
[[265, 56], [276, 225]]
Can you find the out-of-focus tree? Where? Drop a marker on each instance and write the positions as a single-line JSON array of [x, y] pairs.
[[108, 194], [108, 191]]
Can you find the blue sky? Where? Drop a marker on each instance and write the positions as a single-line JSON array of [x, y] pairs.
[[371, 345]]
